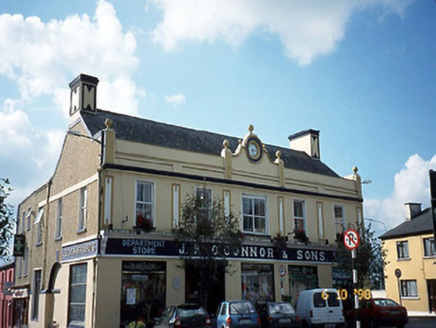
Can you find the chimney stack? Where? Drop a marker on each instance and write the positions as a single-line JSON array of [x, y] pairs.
[[412, 210], [307, 141], [83, 94]]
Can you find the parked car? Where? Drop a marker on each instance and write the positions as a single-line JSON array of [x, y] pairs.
[[379, 312], [277, 315], [320, 308], [188, 315], [237, 314]]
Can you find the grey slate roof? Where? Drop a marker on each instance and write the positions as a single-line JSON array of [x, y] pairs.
[[420, 224], [141, 130]]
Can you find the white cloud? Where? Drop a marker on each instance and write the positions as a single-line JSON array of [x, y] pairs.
[[411, 185], [306, 29], [42, 58], [176, 99]]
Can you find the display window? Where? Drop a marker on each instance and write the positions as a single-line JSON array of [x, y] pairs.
[[142, 291], [301, 278], [257, 282]]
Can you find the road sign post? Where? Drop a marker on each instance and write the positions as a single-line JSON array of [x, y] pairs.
[[351, 241]]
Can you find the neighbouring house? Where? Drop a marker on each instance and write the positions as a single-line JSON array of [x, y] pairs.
[[410, 272]]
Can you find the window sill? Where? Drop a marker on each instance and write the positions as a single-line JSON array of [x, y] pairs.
[[80, 231], [429, 257], [38, 244], [404, 259], [58, 238], [410, 298]]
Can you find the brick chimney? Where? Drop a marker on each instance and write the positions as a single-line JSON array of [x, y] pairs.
[[83, 94], [307, 141], [412, 210]]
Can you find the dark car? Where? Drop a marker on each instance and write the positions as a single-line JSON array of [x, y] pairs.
[[378, 312], [237, 314], [277, 315], [189, 315]]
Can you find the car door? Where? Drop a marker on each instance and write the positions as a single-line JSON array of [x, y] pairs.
[[334, 305], [320, 309]]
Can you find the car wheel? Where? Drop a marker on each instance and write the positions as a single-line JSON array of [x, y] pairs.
[[373, 324]]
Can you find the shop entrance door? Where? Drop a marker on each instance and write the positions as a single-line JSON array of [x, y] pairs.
[[215, 290], [431, 290]]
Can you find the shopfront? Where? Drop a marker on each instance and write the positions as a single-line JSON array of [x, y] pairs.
[[301, 278], [257, 282], [142, 291]]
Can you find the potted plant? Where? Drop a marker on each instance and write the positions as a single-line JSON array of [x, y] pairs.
[[143, 222], [281, 243], [301, 236]]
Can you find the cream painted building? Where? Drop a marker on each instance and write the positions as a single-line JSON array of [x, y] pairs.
[[410, 272], [91, 259]]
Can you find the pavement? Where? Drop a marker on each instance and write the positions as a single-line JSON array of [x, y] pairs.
[[421, 314]]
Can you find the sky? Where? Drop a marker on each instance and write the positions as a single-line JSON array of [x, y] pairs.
[[362, 72]]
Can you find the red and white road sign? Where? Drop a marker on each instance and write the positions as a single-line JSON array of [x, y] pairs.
[[351, 239]]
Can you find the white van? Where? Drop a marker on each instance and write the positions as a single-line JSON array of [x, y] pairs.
[[320, 307]]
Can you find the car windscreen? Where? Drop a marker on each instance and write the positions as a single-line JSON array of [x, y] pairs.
[[386, 302], [188, 313], [242, 308], [280, 308]]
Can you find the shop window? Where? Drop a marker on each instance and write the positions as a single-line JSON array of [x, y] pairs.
[[36, 291], [142, 291], [301, 278], [83, 209], [402, 250], [409, 288], [257, 282], [339, 219], [77, 300], [58, 232], [254, 214], [299, 215], [144, 205], [429, 247]]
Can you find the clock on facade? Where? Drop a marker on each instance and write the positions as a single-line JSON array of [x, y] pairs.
[[253, 149]]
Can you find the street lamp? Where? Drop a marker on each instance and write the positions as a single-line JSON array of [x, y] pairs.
[[378, 221]]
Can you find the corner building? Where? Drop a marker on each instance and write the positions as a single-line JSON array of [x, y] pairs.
[[99, 243]]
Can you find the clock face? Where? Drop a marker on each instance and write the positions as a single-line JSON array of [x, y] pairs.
[[254, 149]]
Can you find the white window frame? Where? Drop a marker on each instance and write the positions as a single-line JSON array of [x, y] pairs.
[[152, 202], [299, 218], [339, 221], [38, 223], [254, 216], [28, 219], [429, 247], [409, 288], [403, 252], [36, 293], [83, 209], [73, 285], [58, 232], [199, 191]]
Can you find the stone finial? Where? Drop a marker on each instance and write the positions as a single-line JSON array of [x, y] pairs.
[[108, 122], [355, 169], [278, 154], [226, 144], [250, 128]]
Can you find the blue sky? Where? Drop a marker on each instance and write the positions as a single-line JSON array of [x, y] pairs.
[[361, 72]]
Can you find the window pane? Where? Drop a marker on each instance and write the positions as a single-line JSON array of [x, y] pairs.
[[246, 206], [298, 208], [248, 223]]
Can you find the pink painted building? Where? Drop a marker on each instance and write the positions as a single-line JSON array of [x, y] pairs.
[[6, 282]]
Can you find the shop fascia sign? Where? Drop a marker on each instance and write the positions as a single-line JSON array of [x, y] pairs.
[[146, 247]]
